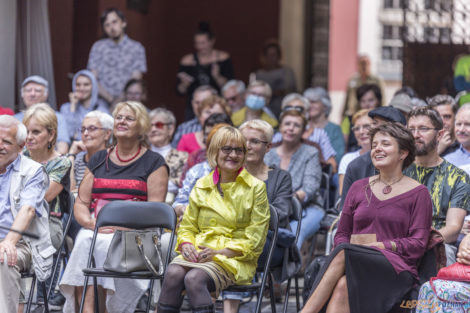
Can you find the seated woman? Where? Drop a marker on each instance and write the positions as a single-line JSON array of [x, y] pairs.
[[41, 123], [453, 294], [96, 131], [82, 100], [382, 233], [163, 127], [258, 135], [295, 101], [303, 164], [132, 171], [223, 230], [194, 141], [361, 126]]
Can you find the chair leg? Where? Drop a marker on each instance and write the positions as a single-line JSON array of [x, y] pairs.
[[82, 302], [271, 293], [44, 294], [149, 300], [297, 292], [286, 296], [96, 296], [31, 293]]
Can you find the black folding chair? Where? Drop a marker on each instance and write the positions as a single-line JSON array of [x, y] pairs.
[[265, 269], [297, 213], [31, 291], [134, 215]]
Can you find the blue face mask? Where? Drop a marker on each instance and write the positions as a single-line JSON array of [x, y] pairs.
[[255, 102]]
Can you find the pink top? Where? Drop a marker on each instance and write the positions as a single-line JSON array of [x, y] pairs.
[[404, 219], [188, 143]]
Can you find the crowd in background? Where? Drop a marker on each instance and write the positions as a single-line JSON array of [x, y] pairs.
[[241, 147]]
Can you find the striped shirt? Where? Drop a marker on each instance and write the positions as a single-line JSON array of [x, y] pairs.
[[79, 168], [318, 136]]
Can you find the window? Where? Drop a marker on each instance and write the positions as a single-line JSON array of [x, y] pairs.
[[387, 53], [394, 4], [388, 32], [392, 53], [392, 31]]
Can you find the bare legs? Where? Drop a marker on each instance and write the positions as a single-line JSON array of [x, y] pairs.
[[231, 305], [332, 284], [89, 306]]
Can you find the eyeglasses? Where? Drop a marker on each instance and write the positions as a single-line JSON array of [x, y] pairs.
[[127, 118], [160, 125], [231, 99], [421, 130], [296, 108], [90, 129], [228, 150], [359, 127], [256, 142]]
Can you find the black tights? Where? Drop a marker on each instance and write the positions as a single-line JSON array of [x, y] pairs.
[[197, 283]]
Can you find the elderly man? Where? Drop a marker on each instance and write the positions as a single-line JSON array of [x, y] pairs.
[[22, 208], [234, 93], [193, 125], [34, 90], [461, 156], [447, 108], [448, 185]]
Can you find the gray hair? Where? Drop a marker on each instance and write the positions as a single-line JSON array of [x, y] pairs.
[[168, 115], [464, 107], [261, 126], [105, 119], [205, 88], [319, 94], [21, 131], [295, 96], [235, 83]]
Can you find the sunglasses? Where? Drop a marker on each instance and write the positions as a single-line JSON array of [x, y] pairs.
[[160, 125], [296, 108]]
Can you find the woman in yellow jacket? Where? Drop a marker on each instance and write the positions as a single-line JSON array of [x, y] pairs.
[[223, 230]]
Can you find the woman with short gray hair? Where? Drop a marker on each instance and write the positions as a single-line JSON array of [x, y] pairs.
[[317, 115], [163, 125]]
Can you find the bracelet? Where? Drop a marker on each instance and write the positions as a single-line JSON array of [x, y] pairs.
[[182, 244], [71, 155]]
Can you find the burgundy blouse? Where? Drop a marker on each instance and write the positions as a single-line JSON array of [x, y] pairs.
[[404, 219]]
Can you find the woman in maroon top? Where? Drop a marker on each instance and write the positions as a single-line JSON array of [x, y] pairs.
[[126, 171], [382, 233]]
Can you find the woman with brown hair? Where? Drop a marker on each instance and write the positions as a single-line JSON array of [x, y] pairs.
[[382, 233]]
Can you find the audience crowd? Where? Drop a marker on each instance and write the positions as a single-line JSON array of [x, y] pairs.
[[399, 172]]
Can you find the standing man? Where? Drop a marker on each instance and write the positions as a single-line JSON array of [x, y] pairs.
[[448, 185], [447, 108], [22, 207], [115, 59], [34, 90], [461, 156], [362, 77], [234, 93]]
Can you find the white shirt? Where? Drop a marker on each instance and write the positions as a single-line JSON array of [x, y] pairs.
[[345, 160]]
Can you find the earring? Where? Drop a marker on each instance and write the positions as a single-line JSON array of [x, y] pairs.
[[49, 146]]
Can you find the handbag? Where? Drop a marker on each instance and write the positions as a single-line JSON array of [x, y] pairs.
[[135, 250], [454, 272]]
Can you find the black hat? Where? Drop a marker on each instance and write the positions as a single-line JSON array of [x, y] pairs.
[[388, 113]]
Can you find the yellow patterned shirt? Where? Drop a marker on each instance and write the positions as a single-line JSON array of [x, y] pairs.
[[239, 221], [448, 185]]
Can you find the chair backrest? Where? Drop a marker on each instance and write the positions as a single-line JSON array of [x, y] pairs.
[[325, 187], [296, 209], [137, 215], [274, 220]]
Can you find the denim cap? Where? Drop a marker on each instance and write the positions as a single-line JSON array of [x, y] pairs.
[[388, 113], [35, 79]]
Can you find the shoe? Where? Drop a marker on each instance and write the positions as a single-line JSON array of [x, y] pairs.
[[56, 302]]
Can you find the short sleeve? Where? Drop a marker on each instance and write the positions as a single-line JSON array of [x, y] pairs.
[[460, 197], [140, 59], [59, 169], [94, 57], [62, 130], [97, 160], [34, 190]]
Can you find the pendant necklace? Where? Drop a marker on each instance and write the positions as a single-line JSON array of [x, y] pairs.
[[388, 187]]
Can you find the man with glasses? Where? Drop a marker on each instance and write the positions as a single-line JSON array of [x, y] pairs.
[[448, 185], [234, 93]]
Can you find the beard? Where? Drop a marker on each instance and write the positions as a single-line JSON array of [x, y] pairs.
[[426, 147]]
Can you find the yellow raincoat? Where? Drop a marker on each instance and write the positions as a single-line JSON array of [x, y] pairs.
[[238, 221]]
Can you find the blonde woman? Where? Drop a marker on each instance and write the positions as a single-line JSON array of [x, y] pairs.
[[223, 230], [135, 173]]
